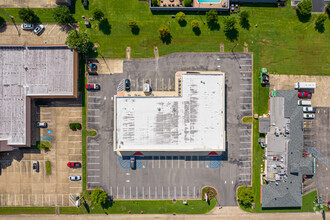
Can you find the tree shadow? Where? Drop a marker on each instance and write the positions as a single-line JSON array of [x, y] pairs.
[[167, 39], [135, 30], [245, 24], [197, 31], [319, 28], [86, 207], [213, 26], [303, 18], [105, 26], [232, 35], [183, 23]]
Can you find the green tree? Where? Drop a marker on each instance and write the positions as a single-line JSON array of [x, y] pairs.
[[194, 24], [98, 14], [244, 17], [304, 8], [230, 24], [27, 15], [154, 2], [328, 7], [321, 19], [245, 196], [212, 16], [187, 3], [78, 41], [98, 196], [163, 31], [180, 16], [62, 15], [2, 20]]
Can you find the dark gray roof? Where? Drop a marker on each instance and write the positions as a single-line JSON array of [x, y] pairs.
[[264, 125], [289, 193]]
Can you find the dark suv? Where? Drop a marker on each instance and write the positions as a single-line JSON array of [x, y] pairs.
[[132, 163]]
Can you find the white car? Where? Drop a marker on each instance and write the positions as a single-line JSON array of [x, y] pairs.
[[38, 29], [74, 178], [27, 26], [309, 116], [308, 109]]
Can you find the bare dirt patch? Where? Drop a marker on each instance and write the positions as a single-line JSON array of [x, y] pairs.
[[321, 95]]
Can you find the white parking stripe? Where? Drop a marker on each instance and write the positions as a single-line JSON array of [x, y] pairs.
[[247, 142], [94, 103], [93, 176], [74, 110], [245, 90], [93, 109], [74, 154], [245, 110], [91, 96], [246, 148], [94, 169], [93, 150], [93, 144], [93, 163], [74, 141], [93, 116], [75, 117], [98, 183], [91, 122], [93, 157]]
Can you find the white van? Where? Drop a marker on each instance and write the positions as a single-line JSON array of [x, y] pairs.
[[308, 109], [305, 85], [302, 102]]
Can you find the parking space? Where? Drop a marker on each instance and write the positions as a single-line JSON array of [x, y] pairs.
[[20, 185], [27, 4], [172, 175], [316, 142], [53, 34]]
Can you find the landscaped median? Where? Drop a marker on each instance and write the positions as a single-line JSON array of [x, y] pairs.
[[145, 207]]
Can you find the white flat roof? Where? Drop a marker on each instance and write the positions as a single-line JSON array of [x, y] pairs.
[[30, 71], [191, 122]]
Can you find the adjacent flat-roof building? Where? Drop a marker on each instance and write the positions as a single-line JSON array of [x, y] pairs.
[[285, 164], [31, 72], [191, 120]]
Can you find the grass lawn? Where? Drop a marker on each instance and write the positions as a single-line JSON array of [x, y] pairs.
[[26, 210], [148, 207], [247, 120]]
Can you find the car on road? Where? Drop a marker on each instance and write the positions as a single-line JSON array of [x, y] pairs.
[[132, 163], [328, 205], [92, 86], [35, 166], [304, 94], [74, 165], [42, 124], [38, 29], [74, 178], [309, 116], [27, 26], [127, 85], [308, 109]]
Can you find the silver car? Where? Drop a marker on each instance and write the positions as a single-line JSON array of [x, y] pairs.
[[27, 26], [74, 178], [38, 29]]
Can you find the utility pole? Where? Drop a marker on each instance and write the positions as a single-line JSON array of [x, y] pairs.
[[12, 17]]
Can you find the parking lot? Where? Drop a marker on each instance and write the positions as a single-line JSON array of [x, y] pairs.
[[53, 34], [316, 142], [175, 175], [20, 185]]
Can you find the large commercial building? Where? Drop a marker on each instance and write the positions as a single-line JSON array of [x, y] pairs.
[[191, 119], [28, 72], [284, 163]]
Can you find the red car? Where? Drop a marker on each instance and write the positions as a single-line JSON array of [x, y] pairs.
[[92, 86], [303, 94], [74, 164], [328, 205]]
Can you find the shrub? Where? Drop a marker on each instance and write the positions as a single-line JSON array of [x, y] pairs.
[[48, 167], [304, 8], [320, 19], [75, 126], [212, 16], [62, 15], [98, 14], [132, 23], [328, 7], [245, 196], [187, 3], [98, 196], [2, 21], [27, 15], [154, 2], [180, 16], [244, 16], [194, 24]]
